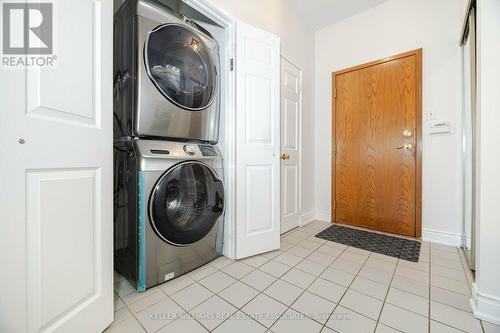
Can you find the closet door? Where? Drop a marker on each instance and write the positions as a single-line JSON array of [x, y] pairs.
[[56, 208], [257, 141]]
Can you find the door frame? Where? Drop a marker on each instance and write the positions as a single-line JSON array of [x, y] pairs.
[[418, 133], [299, 189], [227, 119]]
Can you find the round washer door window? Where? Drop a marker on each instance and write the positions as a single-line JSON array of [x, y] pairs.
[[181, 66], [186, 203]]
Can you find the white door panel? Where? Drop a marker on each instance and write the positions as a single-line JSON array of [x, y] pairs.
[[291, 115], [257, 141], [56, 239]]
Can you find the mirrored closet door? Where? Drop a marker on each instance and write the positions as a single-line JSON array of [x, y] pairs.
[[469, 133]]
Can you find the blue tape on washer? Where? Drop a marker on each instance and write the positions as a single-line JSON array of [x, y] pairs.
[[141, 233]]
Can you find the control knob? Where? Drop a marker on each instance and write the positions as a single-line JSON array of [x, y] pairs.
[[190, 149]]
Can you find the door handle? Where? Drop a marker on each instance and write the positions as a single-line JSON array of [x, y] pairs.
[[407, 146], [285, 156]]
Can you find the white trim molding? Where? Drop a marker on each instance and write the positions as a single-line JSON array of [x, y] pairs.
[[322, 215], [485, 307], [307, 218], [441, 237]]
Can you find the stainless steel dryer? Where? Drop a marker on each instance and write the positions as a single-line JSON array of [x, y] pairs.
[[169, 205], [166, 80]]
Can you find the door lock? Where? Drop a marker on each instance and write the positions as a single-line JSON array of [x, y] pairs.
[[407, 133], [407, 146]]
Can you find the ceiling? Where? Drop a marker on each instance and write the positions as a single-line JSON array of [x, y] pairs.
[[322, 13]]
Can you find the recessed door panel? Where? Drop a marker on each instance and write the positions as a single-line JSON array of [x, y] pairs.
[[290, 114], [290, 195], [258, 51], [258, 115], [259, 210], [291, 81], [63, 223], [70, 91]]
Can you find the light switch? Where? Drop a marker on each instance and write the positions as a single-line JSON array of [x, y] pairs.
[[439, 127]]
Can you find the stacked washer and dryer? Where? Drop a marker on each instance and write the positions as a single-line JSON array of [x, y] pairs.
[[169, 193]]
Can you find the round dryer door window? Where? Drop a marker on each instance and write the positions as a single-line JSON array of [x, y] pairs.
[[181, 66], [186, 203]]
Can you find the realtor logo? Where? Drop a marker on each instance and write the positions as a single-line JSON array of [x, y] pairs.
[[27, 34], [27, 28]]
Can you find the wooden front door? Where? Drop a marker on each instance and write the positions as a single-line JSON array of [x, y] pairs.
[[376, 181]]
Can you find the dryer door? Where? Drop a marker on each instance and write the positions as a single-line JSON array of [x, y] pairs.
[[186, 203], [181, 66]]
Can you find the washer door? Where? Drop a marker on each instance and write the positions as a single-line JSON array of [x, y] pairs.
[[186, 203], [181, 66]]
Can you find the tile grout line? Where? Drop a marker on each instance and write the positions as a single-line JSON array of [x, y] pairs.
[[430, 289], [385, 298], [347, 288]]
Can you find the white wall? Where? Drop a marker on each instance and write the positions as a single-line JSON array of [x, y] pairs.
[[390, 28], [486, 289], [297, 45]]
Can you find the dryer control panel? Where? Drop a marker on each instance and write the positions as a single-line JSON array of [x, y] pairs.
[[207, 150]]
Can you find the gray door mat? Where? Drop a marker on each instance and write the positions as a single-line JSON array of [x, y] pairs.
[[396, 247]]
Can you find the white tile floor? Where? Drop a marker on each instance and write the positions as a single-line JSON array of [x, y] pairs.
[[309, 285]]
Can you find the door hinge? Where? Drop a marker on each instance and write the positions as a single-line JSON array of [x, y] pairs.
[[334, 149], [334, 204], [335, 93], [231, 64]]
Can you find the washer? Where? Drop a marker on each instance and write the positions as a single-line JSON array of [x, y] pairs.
[[166, 81], [169, 206]]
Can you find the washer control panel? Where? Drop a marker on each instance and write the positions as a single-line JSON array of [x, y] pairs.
[[190, 149], [207, 150]]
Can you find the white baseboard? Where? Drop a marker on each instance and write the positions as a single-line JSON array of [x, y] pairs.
[[485, 307], [307, 218], [441, 237], [322, 215]]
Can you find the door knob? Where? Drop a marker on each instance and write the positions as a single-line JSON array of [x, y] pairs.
[[406, 146], [407, 133], [285, 156]]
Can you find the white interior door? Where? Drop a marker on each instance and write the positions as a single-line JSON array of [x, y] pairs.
[[257, 141], [291, 115], [56, 163]]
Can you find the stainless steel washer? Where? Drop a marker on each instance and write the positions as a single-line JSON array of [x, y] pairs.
[[178, 199]]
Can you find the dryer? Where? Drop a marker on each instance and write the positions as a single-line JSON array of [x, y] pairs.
[[166, 75], [169, 206]]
